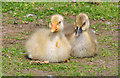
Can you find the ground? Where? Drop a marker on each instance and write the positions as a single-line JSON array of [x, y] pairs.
[[16, 29]]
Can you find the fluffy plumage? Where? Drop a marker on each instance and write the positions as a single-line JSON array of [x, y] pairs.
[[49, 45], [83, 41]]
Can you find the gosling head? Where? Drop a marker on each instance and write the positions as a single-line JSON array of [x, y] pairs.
[[56, 23], [81, 23]]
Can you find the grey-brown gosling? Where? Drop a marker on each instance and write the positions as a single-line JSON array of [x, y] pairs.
[[83, 41], [68, 30], [49, 45]]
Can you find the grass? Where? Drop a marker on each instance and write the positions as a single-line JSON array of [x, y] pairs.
[[44, 9], [14, 63]]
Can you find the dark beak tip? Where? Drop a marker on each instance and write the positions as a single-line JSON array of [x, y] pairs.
[[78, 31]]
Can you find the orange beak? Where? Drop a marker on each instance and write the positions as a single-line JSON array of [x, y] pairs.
[[53, 28]]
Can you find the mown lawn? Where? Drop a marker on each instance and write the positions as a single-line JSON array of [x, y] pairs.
[[16, 29]]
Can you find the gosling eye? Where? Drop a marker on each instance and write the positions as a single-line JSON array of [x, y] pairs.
[[84, 23], [59, 22]]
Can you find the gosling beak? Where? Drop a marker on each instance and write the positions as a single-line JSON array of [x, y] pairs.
[[78, 31], [53, 28]]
